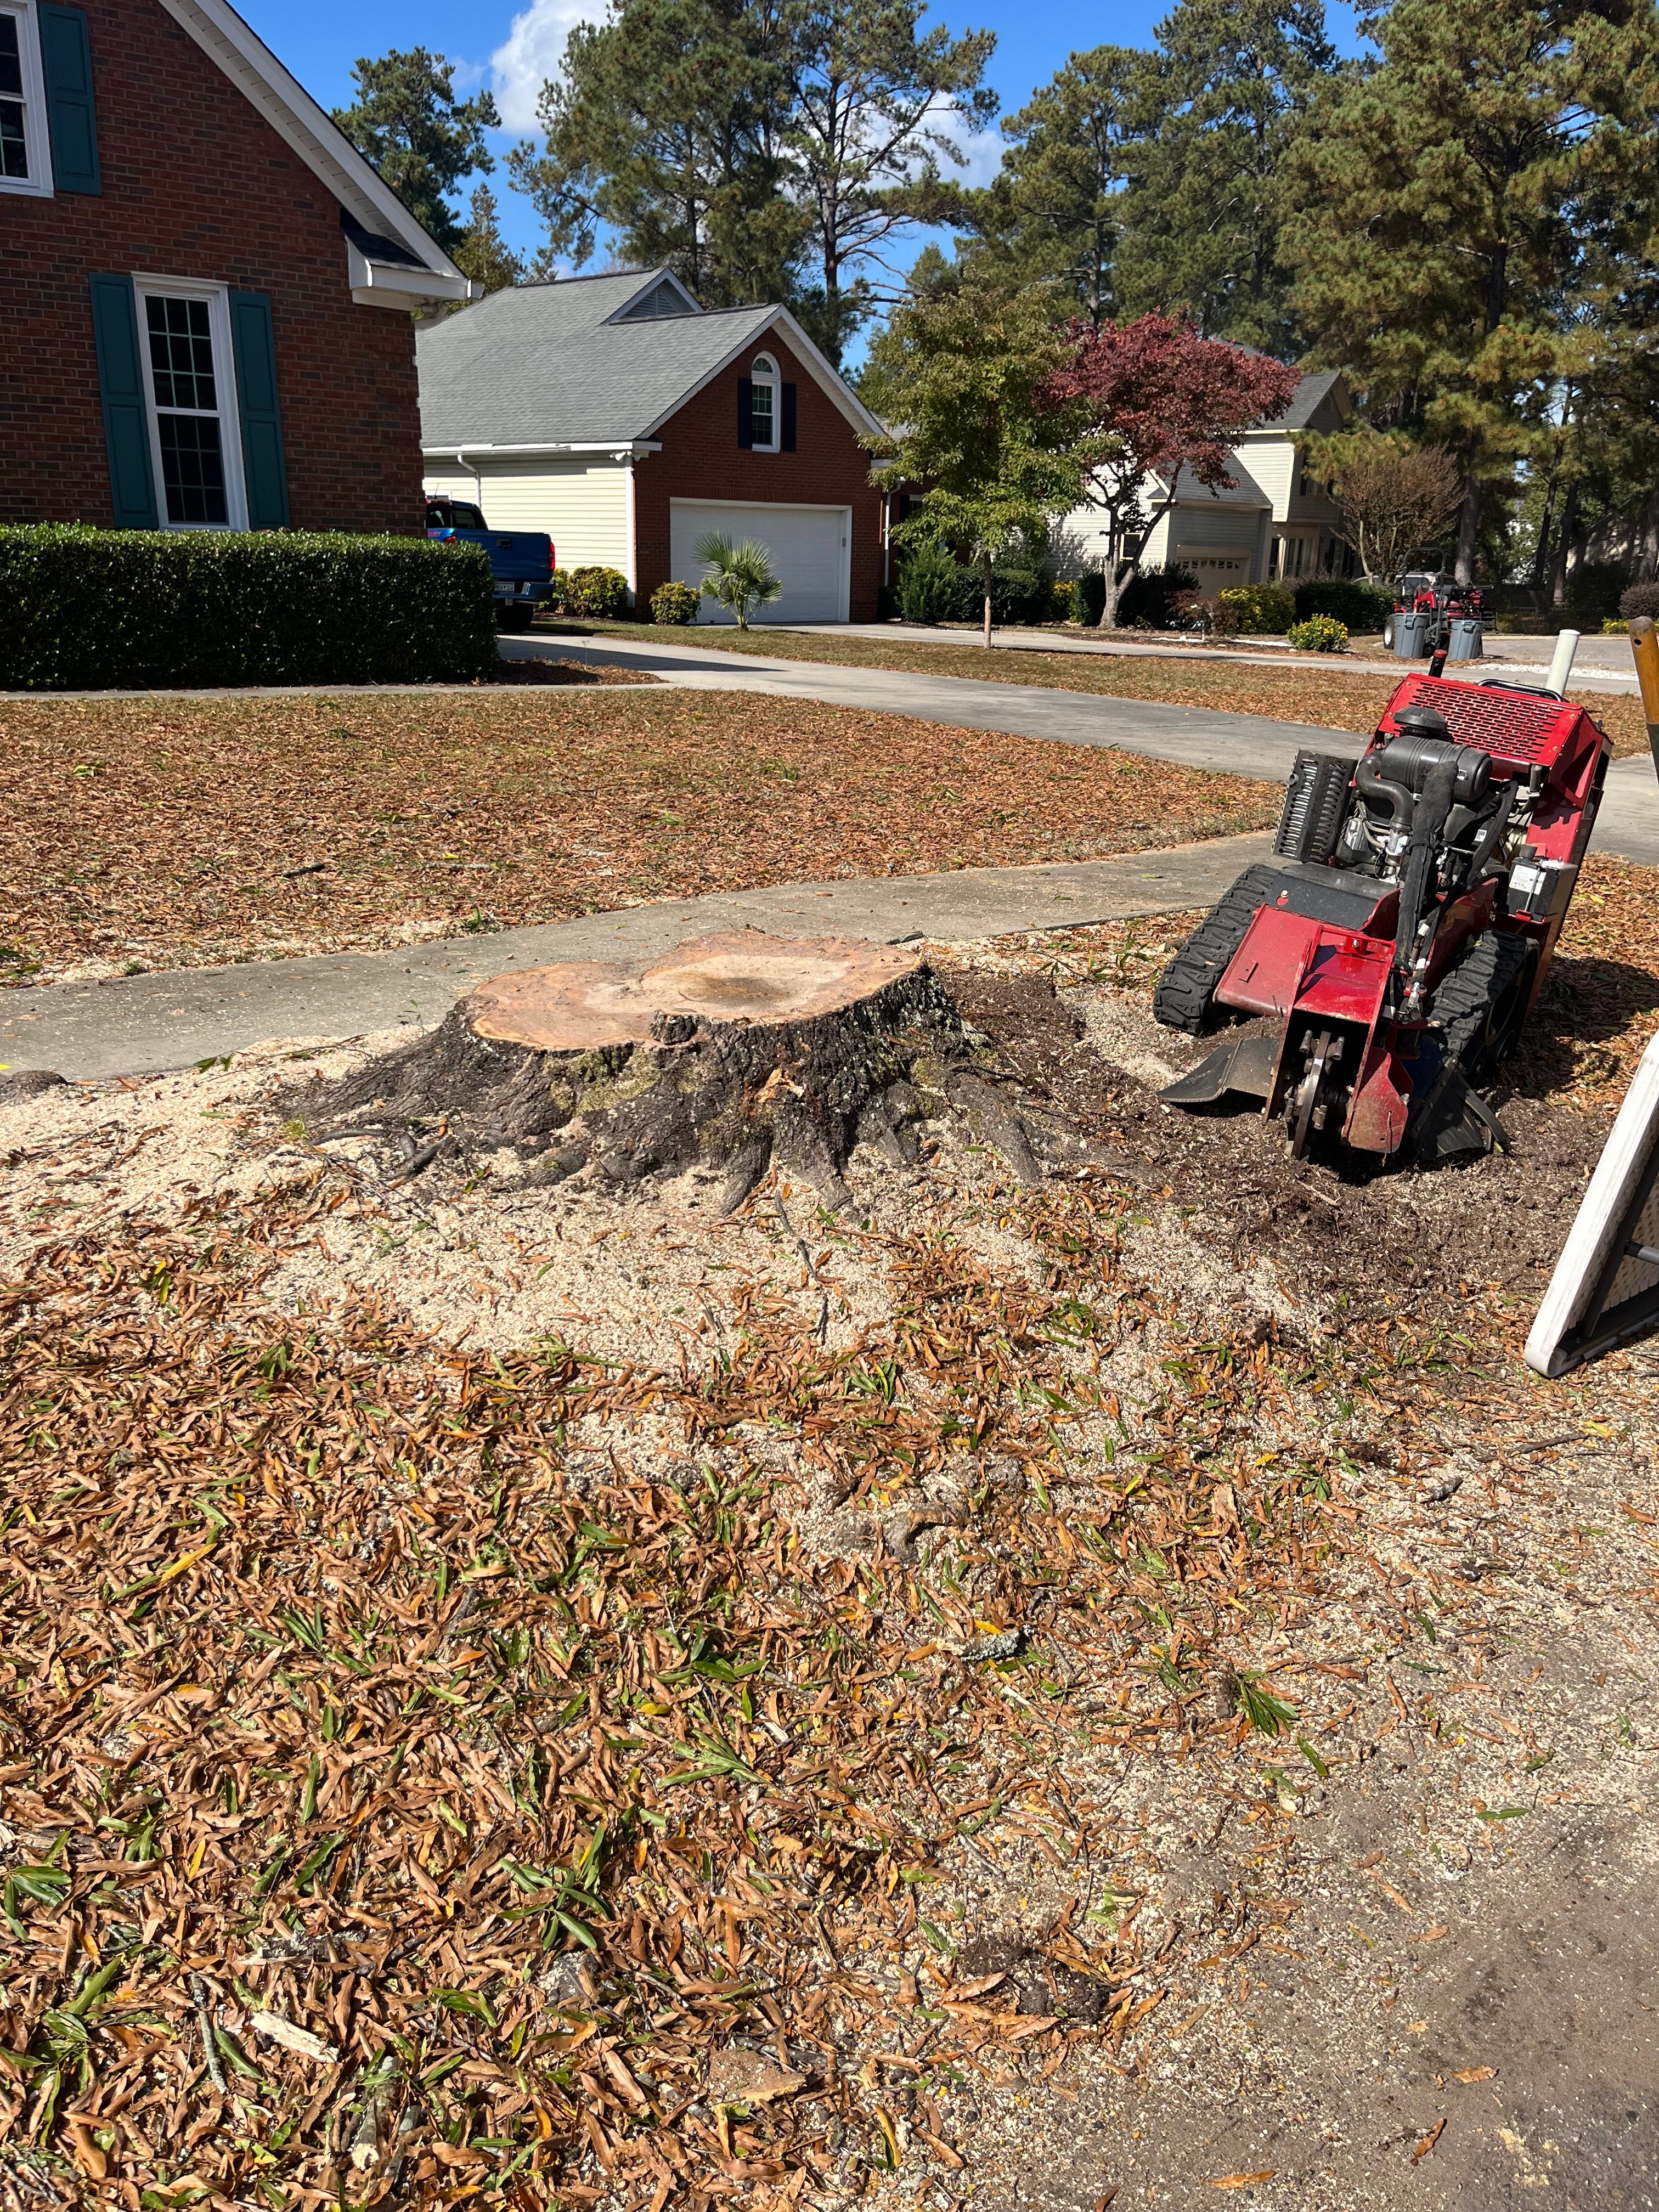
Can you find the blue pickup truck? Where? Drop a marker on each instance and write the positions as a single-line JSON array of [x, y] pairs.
[[520, 560]]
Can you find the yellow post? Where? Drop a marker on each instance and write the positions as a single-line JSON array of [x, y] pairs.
[[1644, 645]]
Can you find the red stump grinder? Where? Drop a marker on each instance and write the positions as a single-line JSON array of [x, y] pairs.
[[1379, 972]]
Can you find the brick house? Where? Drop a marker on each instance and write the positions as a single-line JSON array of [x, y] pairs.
[[201, 339], [625, 420]]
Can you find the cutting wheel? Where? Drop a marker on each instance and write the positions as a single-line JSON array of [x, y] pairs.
[[1324, 1052]]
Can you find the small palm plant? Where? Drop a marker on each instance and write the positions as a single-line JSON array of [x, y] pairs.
[[740, 577]]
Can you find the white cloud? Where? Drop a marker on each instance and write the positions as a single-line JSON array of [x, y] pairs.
[[531, 53], [983, 151]]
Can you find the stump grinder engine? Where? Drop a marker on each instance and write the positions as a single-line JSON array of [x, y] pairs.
[[1379, 972]]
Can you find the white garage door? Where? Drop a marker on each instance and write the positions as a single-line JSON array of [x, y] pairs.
[[809, 546]]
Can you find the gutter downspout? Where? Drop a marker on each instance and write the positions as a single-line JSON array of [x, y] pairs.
[[631, 558], [477, 479]]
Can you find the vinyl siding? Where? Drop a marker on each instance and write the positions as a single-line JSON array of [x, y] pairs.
[[581, 503], [1272, 462]]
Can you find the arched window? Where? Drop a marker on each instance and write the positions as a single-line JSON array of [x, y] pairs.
[[765, 402]]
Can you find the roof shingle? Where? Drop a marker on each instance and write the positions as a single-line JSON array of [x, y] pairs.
[[547, 365]]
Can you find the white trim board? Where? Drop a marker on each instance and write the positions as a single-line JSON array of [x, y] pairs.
[[1597, 1278], [320, 143]]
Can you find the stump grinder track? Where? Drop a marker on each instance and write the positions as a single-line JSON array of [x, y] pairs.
[[1386, 962]]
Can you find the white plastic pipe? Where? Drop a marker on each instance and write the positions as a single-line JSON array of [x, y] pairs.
[[1561, 664]]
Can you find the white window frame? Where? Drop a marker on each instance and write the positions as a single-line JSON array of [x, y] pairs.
[[217, 297], [765, 375], [37, 140]]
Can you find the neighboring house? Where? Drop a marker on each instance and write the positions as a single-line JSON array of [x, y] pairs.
[[1274, 523], [626, 421], [194, 325]]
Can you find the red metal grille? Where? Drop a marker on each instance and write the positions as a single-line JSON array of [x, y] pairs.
[[1499, 722]]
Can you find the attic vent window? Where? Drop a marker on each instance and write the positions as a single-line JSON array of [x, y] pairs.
[[763, 403]]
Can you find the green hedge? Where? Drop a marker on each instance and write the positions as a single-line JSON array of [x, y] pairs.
[[88, 610], [1356, 604]]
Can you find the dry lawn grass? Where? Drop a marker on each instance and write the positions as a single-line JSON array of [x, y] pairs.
[[171, 832], [1325, 698]]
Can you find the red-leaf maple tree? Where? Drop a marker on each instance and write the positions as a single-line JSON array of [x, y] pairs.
[[1160, 400]]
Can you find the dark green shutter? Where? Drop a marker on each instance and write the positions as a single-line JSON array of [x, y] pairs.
[[787, 444], [66, 62], [126, 409], [745, 411], [256, 400]]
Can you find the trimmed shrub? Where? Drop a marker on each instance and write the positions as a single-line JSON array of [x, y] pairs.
[[1319, 634], [1022, 590], [1091, 597], [1594, 589], [601, 594], [88, 610], [1156, 599], [1352, 601], [1640, 599], [933, 586], [1259, 610], [676, 604]]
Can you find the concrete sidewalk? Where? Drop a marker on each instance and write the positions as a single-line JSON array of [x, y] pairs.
[[136, 1024]]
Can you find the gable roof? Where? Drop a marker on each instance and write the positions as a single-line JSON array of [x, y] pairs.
[[1316, 387], [589, 360], [391, 258], [1245, 491]]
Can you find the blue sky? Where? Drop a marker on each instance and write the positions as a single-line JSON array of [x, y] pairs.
[[513, 48]]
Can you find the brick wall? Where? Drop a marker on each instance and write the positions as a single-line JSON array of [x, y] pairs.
[[197, 184], [701, 459]]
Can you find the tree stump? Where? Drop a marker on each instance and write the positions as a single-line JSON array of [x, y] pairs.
[[732, 1051]]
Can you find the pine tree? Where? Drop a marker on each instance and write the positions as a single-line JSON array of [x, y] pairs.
[[666, 129], [1217, 107], [483, 254], [1055, 207], [1461, 203], [767, 149], [407, 122], [872, 96]]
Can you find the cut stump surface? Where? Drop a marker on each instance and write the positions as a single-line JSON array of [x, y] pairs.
[[734, 975], [731, 1051]]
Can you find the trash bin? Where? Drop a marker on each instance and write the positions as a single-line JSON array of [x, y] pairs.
[[1410, 636], [1465, 642]]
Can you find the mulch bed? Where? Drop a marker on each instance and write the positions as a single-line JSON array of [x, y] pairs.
[[152, 833], [565, 671]]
